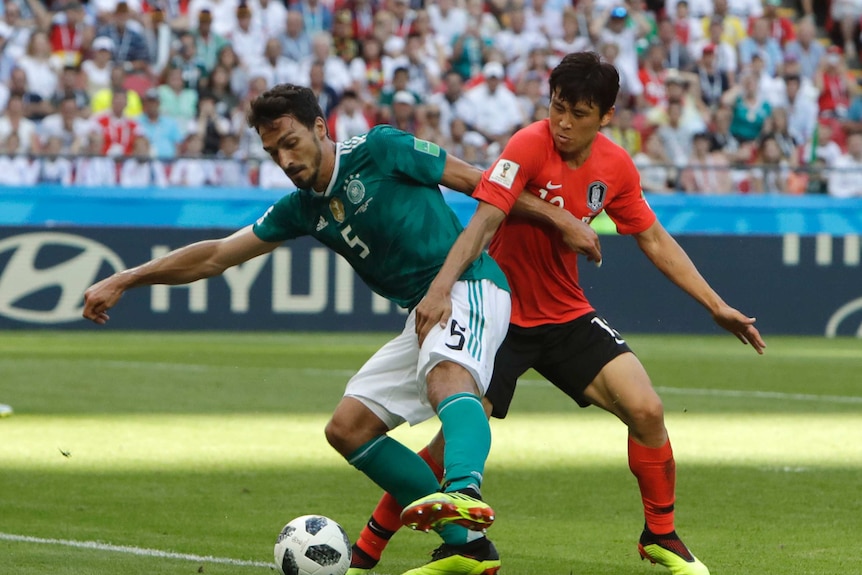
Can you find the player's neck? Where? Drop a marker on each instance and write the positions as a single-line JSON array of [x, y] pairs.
[[327, 166], [577, 158]]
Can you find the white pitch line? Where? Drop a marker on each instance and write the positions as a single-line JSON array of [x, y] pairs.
[[754, 394], [134, 550]]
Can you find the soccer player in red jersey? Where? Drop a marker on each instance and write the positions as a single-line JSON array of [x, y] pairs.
[[553, 328]]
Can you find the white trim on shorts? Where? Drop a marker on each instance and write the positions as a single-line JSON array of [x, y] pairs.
[[392, 383]]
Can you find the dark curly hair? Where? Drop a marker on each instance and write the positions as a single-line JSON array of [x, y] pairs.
[[283, 100], [584, 77]]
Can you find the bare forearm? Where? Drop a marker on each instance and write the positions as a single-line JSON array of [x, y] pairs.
[[181, 266]]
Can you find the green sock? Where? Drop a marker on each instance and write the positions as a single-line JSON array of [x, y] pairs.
[[468, 440], [398, 470]]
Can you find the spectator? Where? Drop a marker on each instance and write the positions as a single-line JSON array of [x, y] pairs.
[[218, 86], [15, 33], [222, 14], [404, 112], [686, 25], [209, 124], [316, 16], [177, 101], [708, 171], [278, 69], [544, 19], [847, 13], [335, 69], [163, 133], [400, 79], [159, 37], [97, 70], [94, 169], [832, 83], [52, 167], [188, 61], [516, 41], [432, 47], [676, 54], [696, 8], [39, 66], [423, 70], [530, 95], [191, 169], [749, 109], [451, 101], [272, 18], [823, 145], [16, 169], [776, 126], [295, 42], [496, 113], [35, 106], [367, 71], [102, 99], [722, 138], [448, 20], [806, 49], [70, 34], [362, 18], [622, 131], [70, 86], [762, 44], [772, 170], [732, 30], [208, 43], [713, 82], [726, 59], [745, 9], [612, 28], [140, 170], [780, 27], [130, 47], [652, 75], [468, 49], [118, 131], [13, 123], [326, 94], [348, 120], [66, 127], [844, 180], [227, 169], [248, 41], [675, 137], [771, 89], [572, 39], [802, 112], [430, 127], [658, 176], [239, 75]]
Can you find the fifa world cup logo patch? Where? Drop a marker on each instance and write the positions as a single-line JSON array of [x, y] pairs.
[[337, 209]]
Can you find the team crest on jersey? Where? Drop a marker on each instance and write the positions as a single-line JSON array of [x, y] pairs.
[[596, 193], [504, 172], [337, 209], [354, 189]]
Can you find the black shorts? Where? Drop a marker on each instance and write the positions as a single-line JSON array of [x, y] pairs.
[[569, 355]]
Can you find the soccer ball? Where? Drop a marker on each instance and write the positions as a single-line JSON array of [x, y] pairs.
[[312, 545]]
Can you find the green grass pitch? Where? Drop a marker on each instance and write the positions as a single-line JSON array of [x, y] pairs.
[[178, 453]]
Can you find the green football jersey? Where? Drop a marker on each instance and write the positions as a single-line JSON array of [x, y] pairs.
[[384, 212]]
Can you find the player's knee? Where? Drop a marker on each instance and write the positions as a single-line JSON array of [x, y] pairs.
[[340, 435], [647, 414]]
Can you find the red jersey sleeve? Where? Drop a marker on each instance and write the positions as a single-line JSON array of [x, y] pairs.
[[504, 181], [629, 209]]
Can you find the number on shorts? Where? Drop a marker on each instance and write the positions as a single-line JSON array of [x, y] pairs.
[[456, 330], [604, 325]]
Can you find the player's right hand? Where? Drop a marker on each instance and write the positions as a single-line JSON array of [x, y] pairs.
[[579, 237], [101, 297], [432, 310]]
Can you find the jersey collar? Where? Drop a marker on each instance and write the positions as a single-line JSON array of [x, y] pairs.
[[326, 193]]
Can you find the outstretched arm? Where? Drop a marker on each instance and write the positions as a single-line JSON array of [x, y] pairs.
[[578, 236], [667, 255], [181, 266]]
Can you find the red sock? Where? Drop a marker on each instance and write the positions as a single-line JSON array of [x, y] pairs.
[[386, 517], [655, 470]]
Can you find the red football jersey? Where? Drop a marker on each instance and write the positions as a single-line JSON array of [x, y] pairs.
[[543, 274]]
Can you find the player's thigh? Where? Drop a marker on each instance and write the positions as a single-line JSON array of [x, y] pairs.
[[575, 353], [460, 357], [518, 353], [387, 384], [623, 388]]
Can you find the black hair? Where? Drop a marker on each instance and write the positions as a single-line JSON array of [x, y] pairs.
[[285, 100], [584, 77]]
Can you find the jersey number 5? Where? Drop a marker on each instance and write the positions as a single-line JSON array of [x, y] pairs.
[[355, 241]]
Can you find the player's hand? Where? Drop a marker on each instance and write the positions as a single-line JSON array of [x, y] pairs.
[[101, 297], [579, 237], [741, 326], [434, 309]]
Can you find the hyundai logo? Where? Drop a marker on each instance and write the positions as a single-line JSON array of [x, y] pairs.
[[47, 273]]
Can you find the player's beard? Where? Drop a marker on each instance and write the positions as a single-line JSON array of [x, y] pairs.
[[308, 183]]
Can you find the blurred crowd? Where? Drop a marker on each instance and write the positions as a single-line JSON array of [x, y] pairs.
[[717, 96]]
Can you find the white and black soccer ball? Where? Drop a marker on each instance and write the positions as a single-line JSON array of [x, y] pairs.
[[312, 545]]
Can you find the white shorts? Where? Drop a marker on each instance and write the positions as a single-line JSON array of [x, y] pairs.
[[392, 382]]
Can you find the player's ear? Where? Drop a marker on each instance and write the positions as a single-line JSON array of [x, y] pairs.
[[321, 130], [609, 115]]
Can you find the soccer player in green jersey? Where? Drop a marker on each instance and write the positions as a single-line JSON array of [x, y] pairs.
[[375, 200]]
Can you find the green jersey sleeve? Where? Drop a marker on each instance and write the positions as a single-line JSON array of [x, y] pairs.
[[283, 220], [404, 155]]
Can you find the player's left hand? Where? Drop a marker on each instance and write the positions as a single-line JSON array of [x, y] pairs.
[[432, 310], [741, 326]]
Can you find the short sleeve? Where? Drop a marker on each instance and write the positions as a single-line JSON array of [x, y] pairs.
[[282, 221], [403, 155], [629, 209], [507, 177]]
